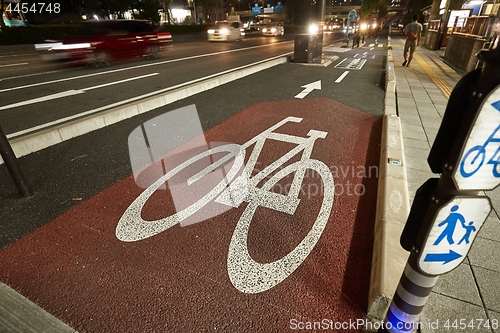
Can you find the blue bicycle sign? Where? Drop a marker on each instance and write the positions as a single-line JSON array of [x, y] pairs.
[[479, 165], [474, 159]]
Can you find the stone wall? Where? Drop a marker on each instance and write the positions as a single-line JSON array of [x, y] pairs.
[[430, 40], [461, 51]]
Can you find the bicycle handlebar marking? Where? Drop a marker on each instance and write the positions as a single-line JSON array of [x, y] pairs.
[[245, 274]]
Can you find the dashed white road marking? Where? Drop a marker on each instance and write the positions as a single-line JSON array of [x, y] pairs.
[[10, 65], [341, 77]]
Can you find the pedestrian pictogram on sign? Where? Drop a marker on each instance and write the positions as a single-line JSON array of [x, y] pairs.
[[451, 235], [353, 16], [479, 164]]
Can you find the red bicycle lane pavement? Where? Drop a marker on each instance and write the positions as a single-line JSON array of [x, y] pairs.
[[77, 269]]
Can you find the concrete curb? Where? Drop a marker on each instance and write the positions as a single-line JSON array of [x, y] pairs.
[[393, 207], [39, 140], [19, 315]]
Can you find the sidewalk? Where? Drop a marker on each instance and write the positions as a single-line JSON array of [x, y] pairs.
[[471, 291]]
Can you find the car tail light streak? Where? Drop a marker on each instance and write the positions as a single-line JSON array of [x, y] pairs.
[[163, 36], [71, 46]]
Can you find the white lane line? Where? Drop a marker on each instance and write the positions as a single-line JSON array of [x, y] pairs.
[[10, 65], [341, 77], [120, 81], [69, 93], [134, 99], [43, 99], [34, 74], [135, 67]]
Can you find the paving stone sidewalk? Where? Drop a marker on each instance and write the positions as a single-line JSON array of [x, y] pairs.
[[472, 291]]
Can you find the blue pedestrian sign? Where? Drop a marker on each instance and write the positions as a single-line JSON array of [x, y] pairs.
[[353, 16], [451, 235], [479, 163], [256, 10]]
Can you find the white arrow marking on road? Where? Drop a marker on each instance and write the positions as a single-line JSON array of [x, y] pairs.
[[341, 77], [308, 88], [69, 93]]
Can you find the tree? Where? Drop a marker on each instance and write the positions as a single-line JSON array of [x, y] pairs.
[[91, 7], [2, 23], [148, 9], [166, 6], [298, 11], [382, 10], [368, 7], [116, 7], [207, 8]]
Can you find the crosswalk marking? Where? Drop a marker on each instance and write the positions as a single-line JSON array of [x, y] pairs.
[[351, 63], [336, 49]]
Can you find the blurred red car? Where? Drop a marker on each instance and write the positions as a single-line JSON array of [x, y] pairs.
[[107, 41]]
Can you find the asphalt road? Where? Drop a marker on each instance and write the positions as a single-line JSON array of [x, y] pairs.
[[70, 249], [360, 89], [34, 95]]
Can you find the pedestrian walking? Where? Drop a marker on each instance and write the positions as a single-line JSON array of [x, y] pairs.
[[413, 33]]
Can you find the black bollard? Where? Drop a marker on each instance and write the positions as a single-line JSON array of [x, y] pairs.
[[12, 164]]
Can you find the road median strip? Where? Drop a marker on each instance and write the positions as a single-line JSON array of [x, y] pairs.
[[92, 120]]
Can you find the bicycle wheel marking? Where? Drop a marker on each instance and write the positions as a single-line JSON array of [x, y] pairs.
[[249, 276], [132, 227], [246, 274]]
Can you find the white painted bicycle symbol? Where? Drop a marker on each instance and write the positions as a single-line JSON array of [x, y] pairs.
[[246, 274]]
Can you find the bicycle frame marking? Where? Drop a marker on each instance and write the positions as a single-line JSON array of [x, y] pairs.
[[483, 145], [494, 160], [246, 274]]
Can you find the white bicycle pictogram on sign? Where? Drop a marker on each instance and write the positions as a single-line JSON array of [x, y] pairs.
[[246, 274]]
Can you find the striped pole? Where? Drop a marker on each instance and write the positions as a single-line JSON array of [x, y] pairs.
[[408, 302]]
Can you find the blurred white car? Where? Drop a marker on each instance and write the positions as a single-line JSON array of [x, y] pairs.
[[273, 29], [226, 30]]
